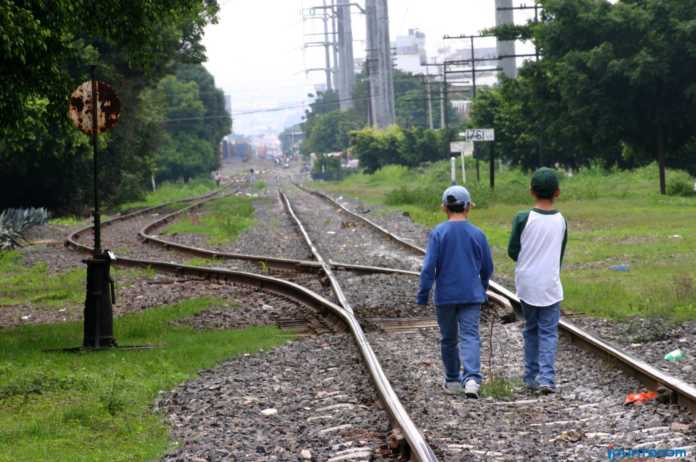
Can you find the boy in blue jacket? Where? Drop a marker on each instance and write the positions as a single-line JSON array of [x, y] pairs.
[[458, 261]]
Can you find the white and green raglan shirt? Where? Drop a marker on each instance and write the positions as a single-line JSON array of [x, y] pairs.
[[537, 244]]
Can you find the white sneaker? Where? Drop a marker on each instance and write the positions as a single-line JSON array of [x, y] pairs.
[[471, 389], [452, 388]]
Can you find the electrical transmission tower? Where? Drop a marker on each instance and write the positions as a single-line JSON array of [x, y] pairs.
[[324, 14], [340, 39]]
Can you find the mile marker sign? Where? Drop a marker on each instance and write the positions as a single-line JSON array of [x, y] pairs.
[[478, 134]]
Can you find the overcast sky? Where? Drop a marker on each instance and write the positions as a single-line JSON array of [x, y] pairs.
[[256, 51]]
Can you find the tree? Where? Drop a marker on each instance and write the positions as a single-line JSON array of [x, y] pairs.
[[47, 47], [614, 79]]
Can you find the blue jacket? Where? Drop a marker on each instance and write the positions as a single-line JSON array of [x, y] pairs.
[[459, 261]]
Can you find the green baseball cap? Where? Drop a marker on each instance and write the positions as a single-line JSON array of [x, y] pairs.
[[545, 182]]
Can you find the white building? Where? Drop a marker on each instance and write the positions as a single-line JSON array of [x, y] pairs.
[[409, 52]]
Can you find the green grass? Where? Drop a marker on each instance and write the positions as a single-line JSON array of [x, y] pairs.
[[170, 192], [97, 406], [500, 387], [260, 185], [66, 221], [199, 261], [222, 220], [615, 217], [23, 284], [35, 285]]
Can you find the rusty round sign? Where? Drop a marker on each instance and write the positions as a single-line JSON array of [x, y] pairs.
[[81, 107]]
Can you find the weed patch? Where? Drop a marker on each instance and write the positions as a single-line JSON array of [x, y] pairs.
[[98, 406], [222, 220]]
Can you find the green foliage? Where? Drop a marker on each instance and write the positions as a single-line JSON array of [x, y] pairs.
[[327, 168], [378, 148], [47, 49], [681, 184], [329, 132], [170, 192], [615, 85], [222, 220], [98, 406]]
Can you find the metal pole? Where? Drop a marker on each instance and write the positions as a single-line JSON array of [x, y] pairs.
[[463, 168], [327, 46], [338, 81], [95, 119], [453, 169], [473, 66], [444, 97], [430, 102], [492, 166]]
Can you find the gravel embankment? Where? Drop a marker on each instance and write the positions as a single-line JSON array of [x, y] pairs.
[[306, 400], [578, 423], [344, 239]]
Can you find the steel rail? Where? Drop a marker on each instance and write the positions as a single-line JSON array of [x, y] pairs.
[[342, 299], [72, 240], [145, 236], [683, 392], [417, 444]]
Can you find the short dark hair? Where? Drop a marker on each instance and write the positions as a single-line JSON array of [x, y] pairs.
[[543, 194], [456, 208]]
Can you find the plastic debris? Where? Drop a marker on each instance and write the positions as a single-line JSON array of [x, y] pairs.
[[570, 436], [674, 356], [640, 398], [620, 268], [680, 427]]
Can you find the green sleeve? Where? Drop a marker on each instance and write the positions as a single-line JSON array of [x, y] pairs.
[[515, 244], [565, 240]]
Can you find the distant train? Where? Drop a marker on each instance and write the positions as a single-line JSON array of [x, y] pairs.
[[236, 150]]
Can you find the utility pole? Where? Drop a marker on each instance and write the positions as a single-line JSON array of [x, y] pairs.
[[504, 15], [445, 103], [379, 49], [346, 63], [429, 95], [327, 47]]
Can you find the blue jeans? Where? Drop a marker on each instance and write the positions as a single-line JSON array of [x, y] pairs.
[[540, 343], [460, 342]]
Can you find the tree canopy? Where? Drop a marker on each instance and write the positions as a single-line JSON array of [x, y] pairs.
[[615, 85], [47, 49]]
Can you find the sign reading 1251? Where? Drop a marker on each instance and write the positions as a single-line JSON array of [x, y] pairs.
[[478, 134]]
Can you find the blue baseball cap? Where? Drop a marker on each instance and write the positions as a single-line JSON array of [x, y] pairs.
[[456, 195]]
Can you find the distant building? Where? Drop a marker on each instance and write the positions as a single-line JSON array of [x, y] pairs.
[[409, 52], [228, 104]]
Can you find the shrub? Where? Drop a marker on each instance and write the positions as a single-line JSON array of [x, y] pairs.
[[679, 183]]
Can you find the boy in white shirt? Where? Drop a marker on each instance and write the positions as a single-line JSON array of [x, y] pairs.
[[537, 244]]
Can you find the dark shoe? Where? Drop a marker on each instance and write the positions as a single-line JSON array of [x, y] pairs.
[[546, 390]]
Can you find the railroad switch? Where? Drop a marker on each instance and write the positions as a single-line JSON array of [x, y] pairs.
[[101, 294]]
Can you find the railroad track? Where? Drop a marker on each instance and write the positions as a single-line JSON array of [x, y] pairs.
[[343, 313], [284, 288], [683, 392]]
